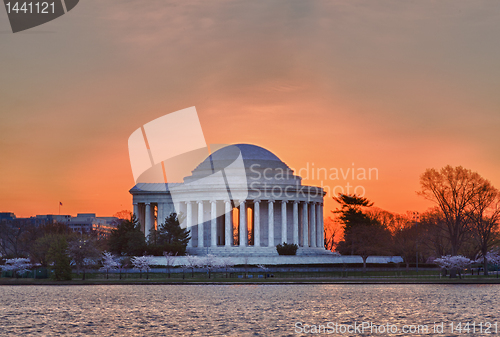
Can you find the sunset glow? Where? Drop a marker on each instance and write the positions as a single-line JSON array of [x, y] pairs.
[[326, 84]]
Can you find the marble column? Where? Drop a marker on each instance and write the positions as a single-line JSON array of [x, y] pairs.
[[296, 222], [321, 229], [228, 226], [256, 223], [148, 220], [313, 225], [283, 222], [243, 224], [180, 207], [177, 208], [189, 221], [270, 218], [136, 210], [305, 239], [213, 223], [200, 224]]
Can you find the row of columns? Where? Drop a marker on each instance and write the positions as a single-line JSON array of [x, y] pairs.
[[312, 221]]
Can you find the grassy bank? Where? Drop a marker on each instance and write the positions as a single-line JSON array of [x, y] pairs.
[[351, 277]]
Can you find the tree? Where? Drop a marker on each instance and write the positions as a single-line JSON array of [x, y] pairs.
[[332, 233], [210, 262], [493, 257], [170, 237], [405, 243], [169, 261], [484, 216], [287, 248], [226, 263], [457, 262], [108, 262], [84, 252], [127, 238], [40, 248], [192, 262], [58, 257], [17, 266], [123, 214], [433, 233], [142, 263], [362, 235], [454, 190]]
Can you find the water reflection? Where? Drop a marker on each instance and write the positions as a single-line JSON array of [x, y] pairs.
[[241, 310]]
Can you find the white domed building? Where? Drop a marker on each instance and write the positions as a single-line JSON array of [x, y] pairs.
[[240, 201]]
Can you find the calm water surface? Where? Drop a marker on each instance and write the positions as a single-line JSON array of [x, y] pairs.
[[238, 310]]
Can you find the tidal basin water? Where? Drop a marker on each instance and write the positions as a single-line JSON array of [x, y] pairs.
[[244, 310]]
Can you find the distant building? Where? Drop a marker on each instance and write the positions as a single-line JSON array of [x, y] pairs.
[[89, 222], [52, 218], [82, 223], [7, 216]]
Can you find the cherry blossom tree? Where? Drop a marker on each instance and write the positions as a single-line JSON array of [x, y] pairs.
[[492, 257], [169, 260], [17, 266], [108, 262], [457, 262], [192, 262], [211, 262], [142, 263], [264, 268], [226, 263]]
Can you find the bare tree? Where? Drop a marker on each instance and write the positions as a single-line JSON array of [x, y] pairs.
[[433, 233], [84, 253], [485, 215], [332, 233], [454, 189]]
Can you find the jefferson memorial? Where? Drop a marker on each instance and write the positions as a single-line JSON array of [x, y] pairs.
[[242, 200]]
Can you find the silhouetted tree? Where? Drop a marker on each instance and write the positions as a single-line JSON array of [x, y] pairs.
[[127, 238], [169, 237], [84, 253], [485, 215], [362, 235], [455, 190], [58, 257]]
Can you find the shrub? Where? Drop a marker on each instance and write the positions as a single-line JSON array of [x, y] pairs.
[[287, 249]]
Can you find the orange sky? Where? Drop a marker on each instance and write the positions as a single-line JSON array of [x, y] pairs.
[[396, 86]]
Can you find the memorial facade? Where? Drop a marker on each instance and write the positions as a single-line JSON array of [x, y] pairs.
[[240, 201]]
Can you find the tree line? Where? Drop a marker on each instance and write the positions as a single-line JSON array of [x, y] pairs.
[[56, 246], [464, 222]]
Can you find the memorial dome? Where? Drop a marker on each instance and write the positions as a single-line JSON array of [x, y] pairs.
[[256, 159]]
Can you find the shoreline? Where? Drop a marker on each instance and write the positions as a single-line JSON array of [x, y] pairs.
[[412, 281]]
